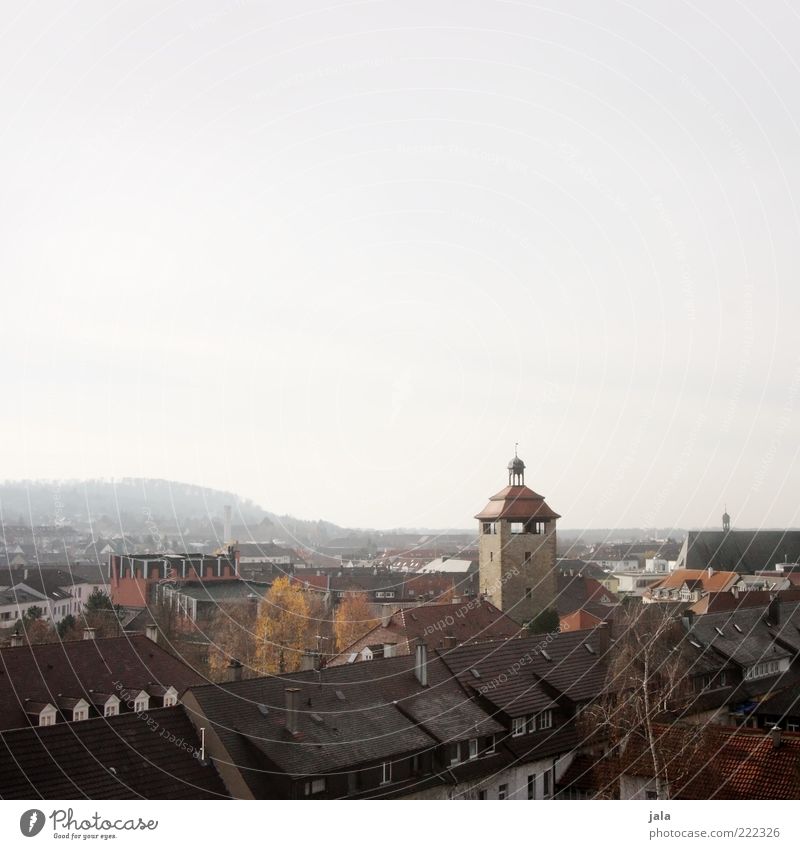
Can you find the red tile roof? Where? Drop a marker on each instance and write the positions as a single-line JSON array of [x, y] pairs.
[[517, 502]]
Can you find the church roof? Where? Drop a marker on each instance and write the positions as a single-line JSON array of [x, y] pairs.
[[517, 502]]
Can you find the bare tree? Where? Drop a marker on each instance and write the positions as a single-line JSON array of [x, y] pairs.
[[646, 687]]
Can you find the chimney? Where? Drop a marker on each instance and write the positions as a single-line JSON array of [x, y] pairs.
[[775, 734], [774, 610], [388, 649], [226, 526], [308, 660], [88, 633], [292, 718], [603, 637], [16, 640], [710, 572], [151, 632], [450, 641], [421, 662], [234, 671]]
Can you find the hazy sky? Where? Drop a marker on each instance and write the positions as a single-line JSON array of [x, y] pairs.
[[340, 257]]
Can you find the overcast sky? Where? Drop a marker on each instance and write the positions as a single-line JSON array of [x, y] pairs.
[[340, 257]]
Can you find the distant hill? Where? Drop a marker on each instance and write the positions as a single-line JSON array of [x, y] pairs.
[[59, 502]]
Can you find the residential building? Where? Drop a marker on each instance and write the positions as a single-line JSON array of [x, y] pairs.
[[73, 681], [440, 625], [156, 755]]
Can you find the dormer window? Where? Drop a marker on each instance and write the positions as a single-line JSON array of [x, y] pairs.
[[518, 726], [170, 697], [141, 703], [111, 708], [80, 712], [47, 716]]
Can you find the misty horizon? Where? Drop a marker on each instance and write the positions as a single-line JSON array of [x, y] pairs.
[[343, 260]]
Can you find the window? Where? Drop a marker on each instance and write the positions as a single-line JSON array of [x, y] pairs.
[[548, 783], [316, 785], [386, 772], [528, 593], [80, 714], [111, 709], [473, 749], [170, 700], [545, 720], [489, 528], [490, 745], [491, 556], [650, 794], [455, 755], [502, 791], [141, 704], [47, 718], [792, 726], [517, 527], [482, 794], [530, 724], [532, 786], [769, 667], [518, 726]]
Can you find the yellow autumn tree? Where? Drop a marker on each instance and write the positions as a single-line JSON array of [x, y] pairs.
[[231, 634], [282, 628], [354, 617]]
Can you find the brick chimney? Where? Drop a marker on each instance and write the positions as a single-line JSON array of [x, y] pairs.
[[774, 610], [421, 662], [308, 660], [88, 633], [234, 671], [292, 714], [603, 637]]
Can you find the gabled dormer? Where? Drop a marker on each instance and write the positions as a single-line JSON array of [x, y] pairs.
[[40, 713]]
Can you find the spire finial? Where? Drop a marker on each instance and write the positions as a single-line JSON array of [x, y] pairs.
[[516, 445]]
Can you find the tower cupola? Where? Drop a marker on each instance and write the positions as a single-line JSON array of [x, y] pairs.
[[516, 470]]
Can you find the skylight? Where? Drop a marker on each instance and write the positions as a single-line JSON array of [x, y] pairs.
[[589, 648], [719, 631], [475, 673], [735, 625], [545, 655], [340, 695]]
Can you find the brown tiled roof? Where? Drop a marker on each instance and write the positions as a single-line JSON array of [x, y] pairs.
[[517, 502], [718, 762], [475, 620], [716, 582], [121, 757], [72, 669]]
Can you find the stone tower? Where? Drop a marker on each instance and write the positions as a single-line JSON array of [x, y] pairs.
[[726, 521], [517, 548]]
